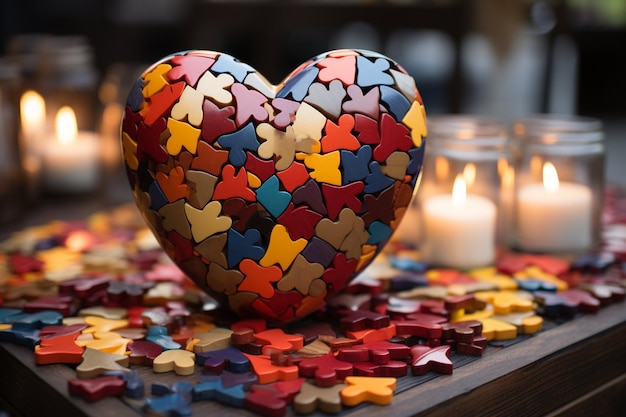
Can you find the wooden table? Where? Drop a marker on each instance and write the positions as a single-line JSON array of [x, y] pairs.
[[575, 368]]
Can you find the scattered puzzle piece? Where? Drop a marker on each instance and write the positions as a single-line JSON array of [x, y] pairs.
[[326, 370], [182, 362], [312, 397], [95, 389], [95, 363], [360, 389]]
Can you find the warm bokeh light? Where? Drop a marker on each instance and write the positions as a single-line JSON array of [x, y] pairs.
[[32, 110], [65, 125], [469, 174], [442, 168], [79, 241], [508, 178]]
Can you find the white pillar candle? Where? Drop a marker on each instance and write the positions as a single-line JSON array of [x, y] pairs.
[[70, 159], [459, 230], [553, 216]]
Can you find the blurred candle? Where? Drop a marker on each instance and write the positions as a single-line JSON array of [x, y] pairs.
[[70, 159], [554, 216], [459, 229], [33, 117]]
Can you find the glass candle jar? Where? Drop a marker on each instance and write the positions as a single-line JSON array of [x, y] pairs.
[[560, 185], [63, 153], [466, 193]]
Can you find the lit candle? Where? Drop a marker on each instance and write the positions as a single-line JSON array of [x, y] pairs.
[[554, 216], [70, 159], [32, 118], [459, 230], [32, 126]]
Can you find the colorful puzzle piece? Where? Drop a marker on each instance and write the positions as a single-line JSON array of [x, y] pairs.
[[312, 397], [95, 389], [182, 362], [95, 363], [268, 372], [326, 370], [360, 389]]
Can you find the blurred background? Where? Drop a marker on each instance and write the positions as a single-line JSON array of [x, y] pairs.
[[503, 59]]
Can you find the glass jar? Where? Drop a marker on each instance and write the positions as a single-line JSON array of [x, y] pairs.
[[60, 70], [466, 193], [560, 187]]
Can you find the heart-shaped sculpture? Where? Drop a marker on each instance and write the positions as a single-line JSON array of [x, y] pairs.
[[272, 198]]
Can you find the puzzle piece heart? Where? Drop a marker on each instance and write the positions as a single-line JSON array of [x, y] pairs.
[[237, 174]]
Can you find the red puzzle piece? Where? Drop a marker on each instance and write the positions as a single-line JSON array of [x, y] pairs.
[[276, 340], [361, 319], [271, 400], [57, 345], [430, 359], [327, 370], [96, 388]]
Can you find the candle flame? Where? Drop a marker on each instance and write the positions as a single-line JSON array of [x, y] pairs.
[[32, 109], [459, 191], [550, 177], [65, 124], [469, 174]]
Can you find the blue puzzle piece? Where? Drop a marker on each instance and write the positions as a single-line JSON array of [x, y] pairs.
[[170, 405], [298, 86], [417, 158], [230, 358], [551, 304], [5, 313], [157, 197], [135, 96], [135, 387], [407, 264], [533, 285], [379, 232], [238, 142], [46, 243], [396, 102], [355, 167], [243, 246], [227, 64], [214, 390], [23, 337], [159, 389], [34, 321], [372, 73], [159, 335], [184, 388], [270, 196], [376, 180]]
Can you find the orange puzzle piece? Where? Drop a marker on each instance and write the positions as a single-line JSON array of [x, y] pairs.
[[362, 389]]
